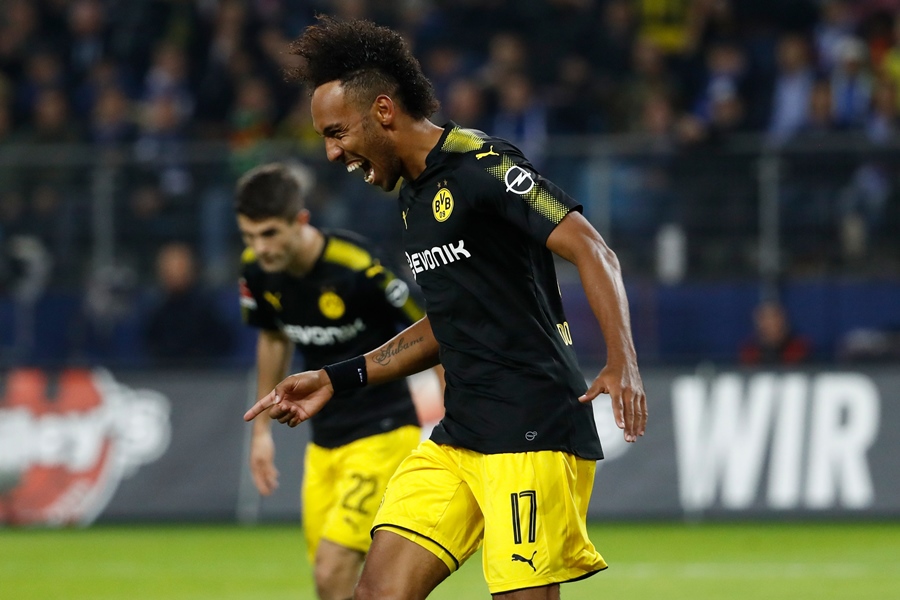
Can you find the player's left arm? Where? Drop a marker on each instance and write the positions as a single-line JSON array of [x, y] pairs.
[[576, 240], [395, 293]]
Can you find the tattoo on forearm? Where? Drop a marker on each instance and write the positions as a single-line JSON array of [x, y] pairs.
[[391, 350]]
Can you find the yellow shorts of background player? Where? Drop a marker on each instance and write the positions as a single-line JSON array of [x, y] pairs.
[[343, 486], [529, 510]]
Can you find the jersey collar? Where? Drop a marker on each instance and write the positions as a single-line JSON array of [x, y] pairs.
[[435, 154]]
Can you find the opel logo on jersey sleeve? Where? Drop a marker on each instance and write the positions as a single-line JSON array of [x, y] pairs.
[[442, 205], [518, 180]]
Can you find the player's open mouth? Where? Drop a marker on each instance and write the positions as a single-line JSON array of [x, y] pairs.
[[367, 169]]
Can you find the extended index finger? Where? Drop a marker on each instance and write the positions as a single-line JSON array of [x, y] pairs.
[[262, 405]]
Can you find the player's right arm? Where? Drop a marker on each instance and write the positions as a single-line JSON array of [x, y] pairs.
[[273, 356], [300, 396]]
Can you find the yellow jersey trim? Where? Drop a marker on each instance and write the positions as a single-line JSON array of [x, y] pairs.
[[347, 254], [461, 141]]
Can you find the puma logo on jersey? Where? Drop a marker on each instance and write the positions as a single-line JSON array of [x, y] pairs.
[[528, 561], [490, 152], [274, 299], [436, 257]]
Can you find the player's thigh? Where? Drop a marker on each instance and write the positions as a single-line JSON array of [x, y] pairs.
[[399, 568], [535, 507], [427, 502], [363, 472]]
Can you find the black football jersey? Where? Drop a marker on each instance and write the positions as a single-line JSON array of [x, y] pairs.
[[476, 222], [348, 304]]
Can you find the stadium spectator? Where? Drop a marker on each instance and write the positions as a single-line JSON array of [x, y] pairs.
[[43, 71], [573, 98], [465, 104], [725, 73], [888, 68], [883, 119], [168, 78], [649, 76], [105, 73], [20, 27], [274, 62], [51, 122], [159, 148], [793, 86], [641, 187], [226, 60], [88, 36], [184, 327], [836, 23], [51, 125], [521, 117], [851, 84], [773, 341], [217, 93], [296, 126], [549, 47], [808, 199], [445, 64], [112, 119], [863, 203], [820, 118], [251, 124], [608, 49], [507, 55]]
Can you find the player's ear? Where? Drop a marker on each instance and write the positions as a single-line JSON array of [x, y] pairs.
[[383, 110], [303, 217]]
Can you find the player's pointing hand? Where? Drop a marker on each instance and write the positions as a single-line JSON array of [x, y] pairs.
[[297, 398]]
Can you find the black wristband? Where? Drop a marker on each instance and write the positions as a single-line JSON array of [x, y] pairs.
[[348, 375]]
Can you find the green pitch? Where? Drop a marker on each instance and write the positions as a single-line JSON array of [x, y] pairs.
[[818, 561]]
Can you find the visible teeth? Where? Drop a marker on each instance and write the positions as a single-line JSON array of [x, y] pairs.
[[370, 176], [353, 166]]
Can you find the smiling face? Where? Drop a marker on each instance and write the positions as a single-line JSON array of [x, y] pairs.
[[357, 137], [275, 241]]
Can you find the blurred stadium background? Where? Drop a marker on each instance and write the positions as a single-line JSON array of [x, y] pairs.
[[734, 153]]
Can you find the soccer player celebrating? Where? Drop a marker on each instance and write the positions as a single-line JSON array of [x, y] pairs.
[[325, 294], [511, 465]]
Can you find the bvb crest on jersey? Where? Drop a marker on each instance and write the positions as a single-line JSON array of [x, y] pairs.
[[442, 205], [331, 305]]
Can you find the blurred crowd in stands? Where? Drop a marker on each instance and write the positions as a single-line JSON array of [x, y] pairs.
[[157, 71], [153, 76]]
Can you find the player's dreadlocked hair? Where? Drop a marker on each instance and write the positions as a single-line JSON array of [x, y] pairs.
[[367, 59]]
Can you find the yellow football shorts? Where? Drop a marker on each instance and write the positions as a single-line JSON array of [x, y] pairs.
[[528, 509], [343, 486]]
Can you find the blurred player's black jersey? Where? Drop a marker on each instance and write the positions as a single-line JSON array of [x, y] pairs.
[[476, 222], [348, 304]]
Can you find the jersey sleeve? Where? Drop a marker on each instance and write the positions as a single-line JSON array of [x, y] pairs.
[[393, 293], [511, 188], [255, 311]]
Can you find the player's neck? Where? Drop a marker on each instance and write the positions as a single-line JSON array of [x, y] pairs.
[[419, 140], [311, 244]]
